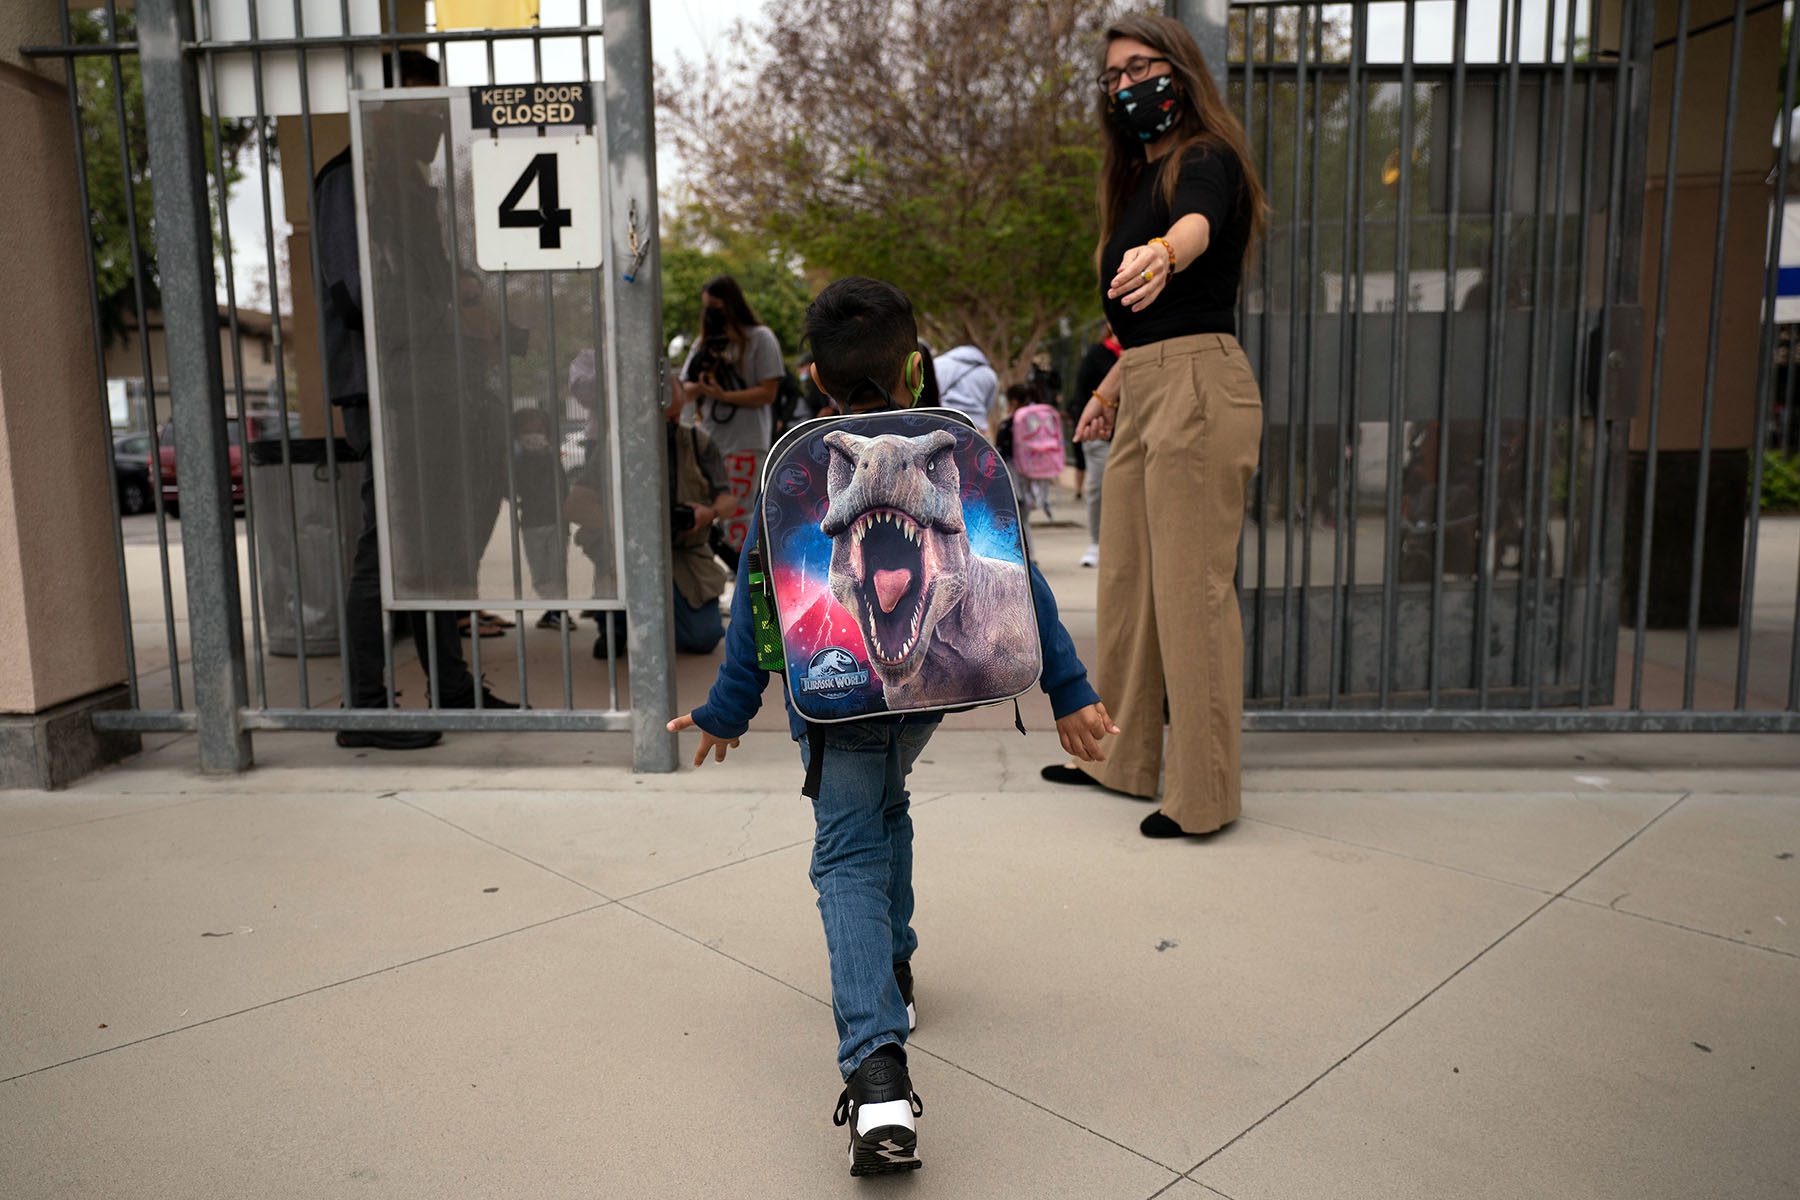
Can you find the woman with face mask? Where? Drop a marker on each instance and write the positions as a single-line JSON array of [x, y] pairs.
[[1180, 205], [731, 377]]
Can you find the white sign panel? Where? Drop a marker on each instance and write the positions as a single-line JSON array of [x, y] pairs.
[[327, 84], [1787, 265], [537, 203]]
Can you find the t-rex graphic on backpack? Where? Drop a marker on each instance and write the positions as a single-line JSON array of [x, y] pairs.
[[938, 620]]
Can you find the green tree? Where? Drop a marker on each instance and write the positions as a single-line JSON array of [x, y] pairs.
[[693, 252], [947, 146], [117, 155]]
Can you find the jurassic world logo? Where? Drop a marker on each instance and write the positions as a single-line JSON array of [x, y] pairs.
[[833, 674]]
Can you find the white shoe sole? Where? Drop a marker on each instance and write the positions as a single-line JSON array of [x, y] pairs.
[[886, 1141]]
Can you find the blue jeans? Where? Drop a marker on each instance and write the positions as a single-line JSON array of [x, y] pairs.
[[697, 630], [862, 870]]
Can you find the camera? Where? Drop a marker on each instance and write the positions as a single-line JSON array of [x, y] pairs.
[[710, 360]]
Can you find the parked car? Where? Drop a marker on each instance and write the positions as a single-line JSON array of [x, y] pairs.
[[131, 472], [262, 425]]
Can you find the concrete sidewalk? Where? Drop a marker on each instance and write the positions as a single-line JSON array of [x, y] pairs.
[[1492, 967]]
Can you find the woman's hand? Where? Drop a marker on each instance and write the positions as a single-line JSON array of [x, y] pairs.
[[1096, 424], [708, 387], [1142, 276]]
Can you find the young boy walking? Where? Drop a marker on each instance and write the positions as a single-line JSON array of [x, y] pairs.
[[864, 339]]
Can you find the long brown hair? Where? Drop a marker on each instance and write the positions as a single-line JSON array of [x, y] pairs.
[[1205, 121], [740, 318]]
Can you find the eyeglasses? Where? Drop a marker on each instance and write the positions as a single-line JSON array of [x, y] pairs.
[[1137, 67]]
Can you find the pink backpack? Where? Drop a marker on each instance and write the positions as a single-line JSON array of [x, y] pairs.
[[1038, 442]]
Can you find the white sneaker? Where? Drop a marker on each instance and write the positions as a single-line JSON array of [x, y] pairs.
[[1092, 557]]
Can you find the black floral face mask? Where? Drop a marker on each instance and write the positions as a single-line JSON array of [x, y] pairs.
[[1147, 110]]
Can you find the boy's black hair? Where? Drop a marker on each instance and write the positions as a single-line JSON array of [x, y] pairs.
[[861, 332]]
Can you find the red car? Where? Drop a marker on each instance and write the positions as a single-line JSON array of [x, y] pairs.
[[262, 425]]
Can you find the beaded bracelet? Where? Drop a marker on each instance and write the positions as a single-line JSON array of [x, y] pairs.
[[1108, 405], [1168, 249]]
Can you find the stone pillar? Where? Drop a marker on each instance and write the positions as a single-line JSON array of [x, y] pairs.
[[1701, 166], [61, 630]]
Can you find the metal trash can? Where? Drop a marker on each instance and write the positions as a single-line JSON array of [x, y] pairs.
[[294, 530]]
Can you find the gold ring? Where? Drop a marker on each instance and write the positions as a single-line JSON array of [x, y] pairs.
[[1149, 275]]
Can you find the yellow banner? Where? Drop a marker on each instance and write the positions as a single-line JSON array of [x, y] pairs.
[[487, 14]]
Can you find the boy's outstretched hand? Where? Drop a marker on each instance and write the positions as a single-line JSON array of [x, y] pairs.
[[719, 746], [1082, 730]]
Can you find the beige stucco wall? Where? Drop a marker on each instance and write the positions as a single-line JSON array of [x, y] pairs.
[[29, 23], [59, 599]]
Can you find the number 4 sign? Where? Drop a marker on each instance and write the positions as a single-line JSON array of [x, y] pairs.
[[537, 203]]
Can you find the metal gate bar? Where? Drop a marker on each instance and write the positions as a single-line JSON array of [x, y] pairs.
[[1564, 376], [179, 61]]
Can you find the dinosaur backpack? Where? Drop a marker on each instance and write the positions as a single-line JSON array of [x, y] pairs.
[[1038, 442], [891, 548]]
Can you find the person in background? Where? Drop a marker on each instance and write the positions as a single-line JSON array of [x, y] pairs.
[[700, 495], [1033, 492], [424, 340], [1180, 206], [969, 385], [1095, 364], [731, 376], [538, 487]]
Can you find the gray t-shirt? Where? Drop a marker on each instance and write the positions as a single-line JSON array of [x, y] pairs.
[[732, 428]]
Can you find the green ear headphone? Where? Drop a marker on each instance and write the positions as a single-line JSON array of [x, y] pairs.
[[915, 375]]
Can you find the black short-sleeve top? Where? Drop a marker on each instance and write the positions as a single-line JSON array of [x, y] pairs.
[[1202, 297]]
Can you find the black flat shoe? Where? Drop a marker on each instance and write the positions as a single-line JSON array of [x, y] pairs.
[[1159, 825], [1059, 773]]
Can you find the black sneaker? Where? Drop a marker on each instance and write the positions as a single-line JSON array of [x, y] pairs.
[[488, 700], [903, 977], [388, 739], [879, 1106]]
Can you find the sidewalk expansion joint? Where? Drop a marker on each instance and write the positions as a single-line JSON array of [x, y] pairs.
[[735, 862], [1397, 854], [1204, 1187], [1723, 937], [311, 991], [136, 812], [911, 1046], [401, 799], [1441, 984]]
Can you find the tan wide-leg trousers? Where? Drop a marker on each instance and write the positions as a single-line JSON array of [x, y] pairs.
[[1183, 452]]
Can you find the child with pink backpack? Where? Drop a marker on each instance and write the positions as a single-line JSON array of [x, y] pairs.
[[1031, 440]]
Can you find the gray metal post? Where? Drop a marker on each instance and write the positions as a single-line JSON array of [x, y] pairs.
[[196, 382], [634, 370], [1206, 19]]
